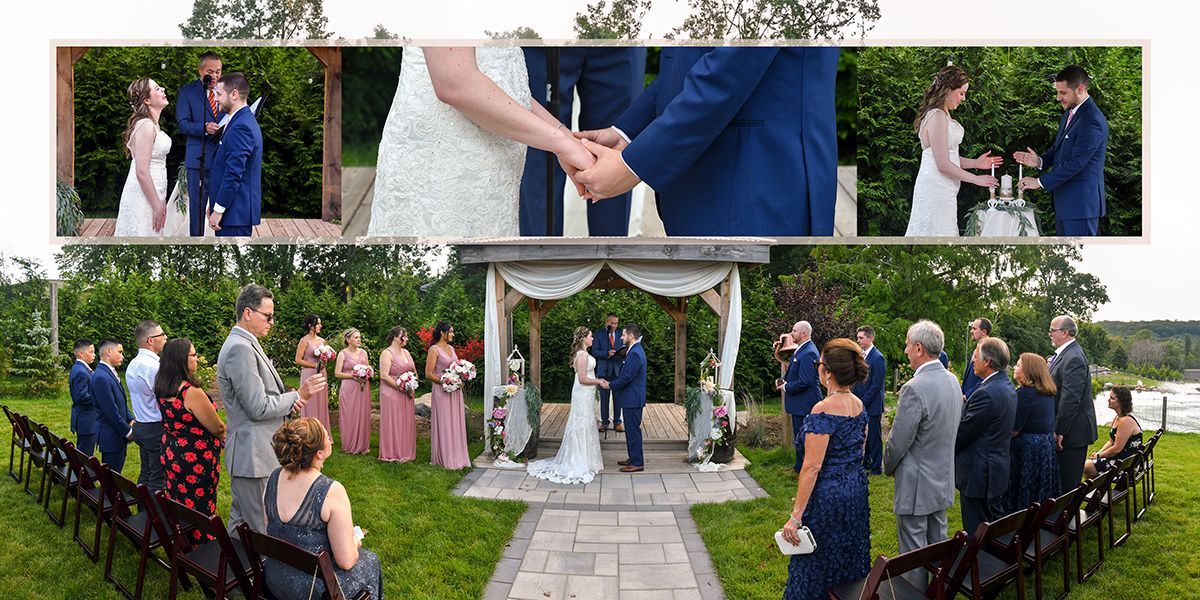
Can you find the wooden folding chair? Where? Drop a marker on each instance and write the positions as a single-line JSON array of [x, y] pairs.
[[1091, 515], [89, 493], [145, 529], [218, 564], [37, 455], [1120, 491], [1142, 476], [1053, 536], [884, 580], [60, 473], [987, 564], [259, 546], [16, 443], [1150, 466]]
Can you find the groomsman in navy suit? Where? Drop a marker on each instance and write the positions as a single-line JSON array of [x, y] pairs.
[[630, 388], [83, 407], [981, 448], [236, 175], [981, 328], [608, 79], [1075, 161], [197, 114], [870, 391], [734, 141], [116, 422], [801, 390], [606, 344]]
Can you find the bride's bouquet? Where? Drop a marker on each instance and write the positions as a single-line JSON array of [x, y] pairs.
[[363, 373], [324, 354], [408, 381]]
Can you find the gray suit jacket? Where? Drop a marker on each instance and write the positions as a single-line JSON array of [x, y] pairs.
[[1076, 412], [255, 404], [920, 447]]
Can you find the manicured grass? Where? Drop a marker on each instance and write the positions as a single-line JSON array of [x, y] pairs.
[[432, 544], [1130, 379], [1158, 560]]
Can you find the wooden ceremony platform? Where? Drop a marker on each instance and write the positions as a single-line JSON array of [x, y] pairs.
[[270, 228], [662, 424]]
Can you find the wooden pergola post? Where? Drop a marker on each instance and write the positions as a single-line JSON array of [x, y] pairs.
[[677, 309], [64, 102], [537, 310], [331, 148]]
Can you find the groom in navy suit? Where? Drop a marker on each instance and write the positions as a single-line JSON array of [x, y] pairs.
[[734, 141], [606, 345], [116, 423], [236, 175], [197, 113], [608, 79], [630, 388], [1075, 160]]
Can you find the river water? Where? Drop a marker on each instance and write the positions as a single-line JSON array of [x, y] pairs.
[[1183, 407]]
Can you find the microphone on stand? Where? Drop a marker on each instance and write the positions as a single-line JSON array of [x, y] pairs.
[[202, 188]]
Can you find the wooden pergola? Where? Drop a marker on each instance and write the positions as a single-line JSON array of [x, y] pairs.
[[752, 253], [330, 58]]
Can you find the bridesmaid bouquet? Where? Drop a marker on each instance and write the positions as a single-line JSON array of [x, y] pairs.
[[465, 369], [407, 381], [363, 373], [451, 382], [324, 354]]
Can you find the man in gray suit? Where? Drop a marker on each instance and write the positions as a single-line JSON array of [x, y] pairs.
[[920, 447], [1075, 425], [255, 405]]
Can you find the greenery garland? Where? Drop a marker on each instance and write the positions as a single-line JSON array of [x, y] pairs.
[[975, 221]]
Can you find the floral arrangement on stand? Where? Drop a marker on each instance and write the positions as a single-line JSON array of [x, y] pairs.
[[496, 421], [719, 443]]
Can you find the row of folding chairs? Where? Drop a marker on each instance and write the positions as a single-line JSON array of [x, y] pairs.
[[1000, 553], [193, 545]]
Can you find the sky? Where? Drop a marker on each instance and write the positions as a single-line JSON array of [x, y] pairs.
[[1146, 280]]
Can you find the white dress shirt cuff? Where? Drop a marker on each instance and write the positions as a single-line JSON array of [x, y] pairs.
[[622, 134], [217, 208]]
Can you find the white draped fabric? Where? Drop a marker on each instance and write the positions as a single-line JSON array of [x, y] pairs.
[[1000, 223], [516, 421], [554, 280]]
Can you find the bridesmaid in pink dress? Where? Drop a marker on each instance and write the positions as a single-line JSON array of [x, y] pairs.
[[318, 404], [448, 426], [354, 396], [397, 419]]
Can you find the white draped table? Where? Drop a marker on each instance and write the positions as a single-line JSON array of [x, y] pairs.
[[994, 222]]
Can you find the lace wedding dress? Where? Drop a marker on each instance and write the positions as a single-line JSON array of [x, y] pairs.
[[439, 174], [134, 216], [578, 458], [935, 196]]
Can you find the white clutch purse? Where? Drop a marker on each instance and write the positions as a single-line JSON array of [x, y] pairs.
[[807, 544]]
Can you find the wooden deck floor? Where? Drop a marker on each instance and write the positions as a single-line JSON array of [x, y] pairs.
[[274, 228], [660, 422]]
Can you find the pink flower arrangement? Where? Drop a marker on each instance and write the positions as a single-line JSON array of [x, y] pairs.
[[499, 412], [465, 369], [720, 411], [363, 373], [408, 381], [324, 354], [451, 382]]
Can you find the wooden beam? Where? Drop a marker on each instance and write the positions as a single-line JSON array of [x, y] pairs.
[[505, 314], [65, 59], [669, 304], [535, 344], [722, 311], [739, 250], [680, 349], [331, 149], [511, 299], [712, 299]]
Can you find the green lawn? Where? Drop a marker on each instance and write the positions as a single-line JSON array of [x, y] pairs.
[[432, 544], [1158, 560]]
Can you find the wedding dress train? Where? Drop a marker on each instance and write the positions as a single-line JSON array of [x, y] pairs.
[[439, 174], [935, 196], [578, 458]]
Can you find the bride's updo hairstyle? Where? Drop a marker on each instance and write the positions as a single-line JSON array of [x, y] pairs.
[[296, 443], [138, 93], [950, 78], [844, 361], [581, 334]]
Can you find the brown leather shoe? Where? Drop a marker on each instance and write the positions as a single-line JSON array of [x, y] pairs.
[[623, 463], [603, 428], [620, 427], [632, 469]]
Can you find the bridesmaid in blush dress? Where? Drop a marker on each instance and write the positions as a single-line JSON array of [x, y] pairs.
[[318, 404], [448, 425], [397, 419], [354, 396]]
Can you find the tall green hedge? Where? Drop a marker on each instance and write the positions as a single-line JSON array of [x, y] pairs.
[[1010, 105], [291, 120]]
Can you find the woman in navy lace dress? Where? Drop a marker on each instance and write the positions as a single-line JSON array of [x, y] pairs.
[[1033, 476], [831, 499]]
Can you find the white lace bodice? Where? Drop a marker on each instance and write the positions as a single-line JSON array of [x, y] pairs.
[[439, 174], [134, 215], [935, 196]]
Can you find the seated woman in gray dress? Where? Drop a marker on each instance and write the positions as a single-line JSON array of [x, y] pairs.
[[312, 511]]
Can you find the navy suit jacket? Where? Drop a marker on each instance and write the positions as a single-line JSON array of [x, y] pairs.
[[606, 367], [870, 390], [1076, 164], [739, 141], [632, 380], [801, 390], [981, 450], [83, 407], [192, 111], [970, 381], [109, 394], [235, 178]]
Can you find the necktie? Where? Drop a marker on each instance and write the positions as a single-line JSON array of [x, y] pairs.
[[1070, 114], [212, 102], [611, 340]]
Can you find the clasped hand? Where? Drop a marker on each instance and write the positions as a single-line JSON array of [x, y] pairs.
[[598, 172]]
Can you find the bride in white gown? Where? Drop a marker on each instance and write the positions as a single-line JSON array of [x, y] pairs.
[[935, 193], [578, 458], [453, 146], [144, 210]]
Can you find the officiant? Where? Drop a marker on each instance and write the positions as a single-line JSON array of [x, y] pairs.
[[198, 115]]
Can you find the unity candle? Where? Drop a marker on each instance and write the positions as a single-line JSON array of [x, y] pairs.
[[1006, 186]]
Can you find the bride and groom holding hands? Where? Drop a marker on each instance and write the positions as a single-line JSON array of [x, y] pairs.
[[1072, 168], [734, 141], [222, 135], [579, 457]]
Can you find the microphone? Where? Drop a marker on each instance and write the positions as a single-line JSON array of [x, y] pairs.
[[207, 81]]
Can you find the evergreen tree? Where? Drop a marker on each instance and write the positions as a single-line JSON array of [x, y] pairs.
[[36, 361]]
